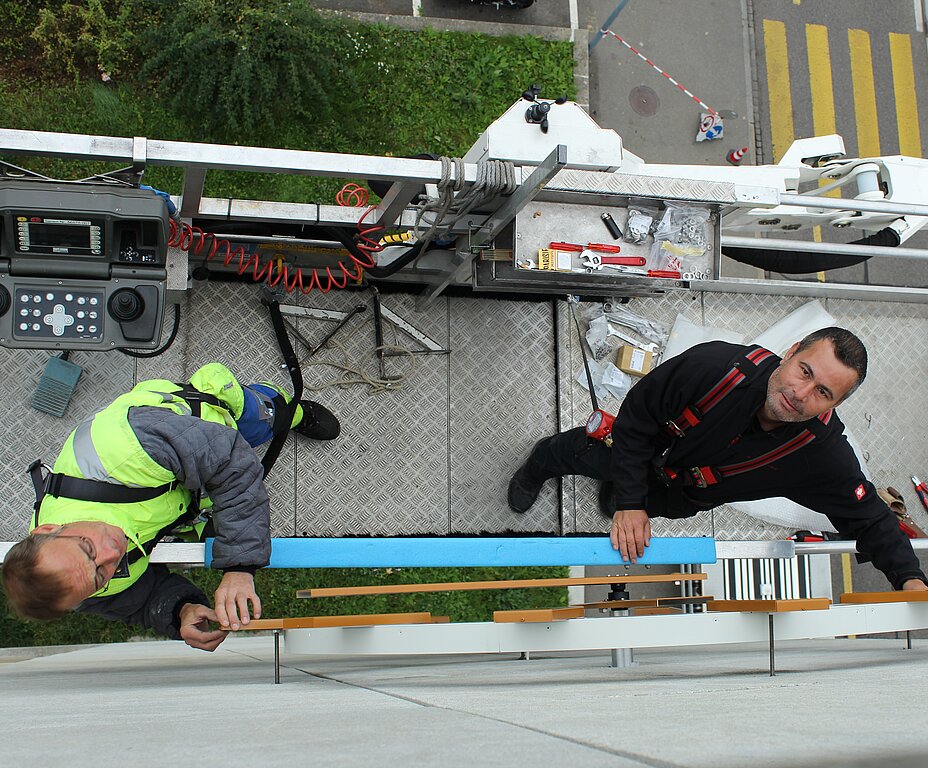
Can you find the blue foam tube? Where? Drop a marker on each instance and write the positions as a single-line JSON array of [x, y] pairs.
[[451, 551]]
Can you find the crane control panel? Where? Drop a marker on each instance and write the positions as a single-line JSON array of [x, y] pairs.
[[82, 265]]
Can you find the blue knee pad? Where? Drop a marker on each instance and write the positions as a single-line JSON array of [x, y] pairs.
[[256, 424]]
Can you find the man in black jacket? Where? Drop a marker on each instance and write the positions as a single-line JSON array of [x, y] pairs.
[[722, 423]]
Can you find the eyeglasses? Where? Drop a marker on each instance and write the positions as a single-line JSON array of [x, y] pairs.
[[101, 584]]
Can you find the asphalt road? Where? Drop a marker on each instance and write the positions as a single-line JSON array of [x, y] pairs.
[[858, 69]]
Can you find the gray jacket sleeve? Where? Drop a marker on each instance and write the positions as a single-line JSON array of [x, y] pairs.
[[215, 459]]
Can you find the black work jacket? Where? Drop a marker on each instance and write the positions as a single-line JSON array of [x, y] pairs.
[[824, 475]]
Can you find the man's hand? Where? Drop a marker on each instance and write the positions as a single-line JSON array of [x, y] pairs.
[[194, 627], [914, 585], [232, 596], [631, 533]]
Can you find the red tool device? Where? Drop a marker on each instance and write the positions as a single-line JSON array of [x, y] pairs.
[[595, 261], [557, 245], [631, 261], [921, 490]]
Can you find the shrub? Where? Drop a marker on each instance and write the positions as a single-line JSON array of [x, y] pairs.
[[94, 38], [232, 65]]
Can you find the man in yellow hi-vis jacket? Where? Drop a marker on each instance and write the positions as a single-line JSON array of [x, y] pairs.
[[131, 474]]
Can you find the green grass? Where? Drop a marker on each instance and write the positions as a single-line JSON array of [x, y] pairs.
[[277, 589], [420, 92]]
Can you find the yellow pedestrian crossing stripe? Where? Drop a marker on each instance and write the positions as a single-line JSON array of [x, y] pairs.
[[778, 91], [823, 100], [821, 64], [868, 130], [910, 141]]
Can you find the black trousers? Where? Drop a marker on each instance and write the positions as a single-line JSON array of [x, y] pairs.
[[573, 453], [570, 453]]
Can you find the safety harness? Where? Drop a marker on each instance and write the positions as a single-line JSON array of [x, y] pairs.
[[80, 489], [56, 484], [744, 369]]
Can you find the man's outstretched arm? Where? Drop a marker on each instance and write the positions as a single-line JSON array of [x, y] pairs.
[[215, 458]]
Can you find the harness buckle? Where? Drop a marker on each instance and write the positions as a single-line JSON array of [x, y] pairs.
[[697, 477], [672, 427]]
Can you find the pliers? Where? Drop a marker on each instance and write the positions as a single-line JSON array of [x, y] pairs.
[[921, 490]]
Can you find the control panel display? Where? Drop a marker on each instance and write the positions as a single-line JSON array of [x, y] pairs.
[[35, 234], [82, 265]]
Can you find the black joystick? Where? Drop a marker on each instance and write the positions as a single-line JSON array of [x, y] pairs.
[[126, 305], [4, 300]]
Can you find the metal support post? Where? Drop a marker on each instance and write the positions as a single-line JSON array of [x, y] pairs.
[[771, 643], [194, 179], [908, 640], [526, 192], [395, 202], [621, 657], [276, 657]]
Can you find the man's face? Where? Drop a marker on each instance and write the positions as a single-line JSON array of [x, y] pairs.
[[86, 554], [807, 383]]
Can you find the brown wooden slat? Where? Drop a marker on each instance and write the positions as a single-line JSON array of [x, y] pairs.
[[770, 606], [457, 586], [536, 615], [898, 596], [359, 620], [660, 610], [257, 624], [441, 619]]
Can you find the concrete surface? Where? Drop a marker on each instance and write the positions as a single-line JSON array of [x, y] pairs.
[[833, 702]]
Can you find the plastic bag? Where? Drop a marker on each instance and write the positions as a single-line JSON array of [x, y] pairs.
[[597, 370], [639, 224], [608, 381], [619, 314], [602, 343], [616, 382], [681, 240]]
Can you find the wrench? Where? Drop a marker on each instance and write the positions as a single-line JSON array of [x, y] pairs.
[[593, 260]]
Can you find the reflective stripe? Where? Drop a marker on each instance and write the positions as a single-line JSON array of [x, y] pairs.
[[86, 456], [169, 397]]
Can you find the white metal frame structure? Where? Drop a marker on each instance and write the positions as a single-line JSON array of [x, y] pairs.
[[574, 162]]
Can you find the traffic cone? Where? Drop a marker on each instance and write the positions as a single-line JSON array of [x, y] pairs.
[[735, 155]]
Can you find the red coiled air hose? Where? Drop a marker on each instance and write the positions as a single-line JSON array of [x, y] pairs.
[[194, 240]]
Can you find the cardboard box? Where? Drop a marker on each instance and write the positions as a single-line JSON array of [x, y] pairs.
[[634, 361]]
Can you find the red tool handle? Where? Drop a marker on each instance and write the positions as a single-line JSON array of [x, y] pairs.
[[604, 247], [628, 261], [558, 246], [663, 273], [922, 492]]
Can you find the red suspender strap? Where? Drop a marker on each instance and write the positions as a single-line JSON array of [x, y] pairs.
[[800, 441], [703, 476], [693, 414]]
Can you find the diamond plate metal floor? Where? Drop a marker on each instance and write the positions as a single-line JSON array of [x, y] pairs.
[[434, 456]]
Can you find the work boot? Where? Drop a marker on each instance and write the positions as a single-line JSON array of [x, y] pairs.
[[318, 422], [523, 488]]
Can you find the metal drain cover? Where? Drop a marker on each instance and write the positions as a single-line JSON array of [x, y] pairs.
[[644, 101]]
